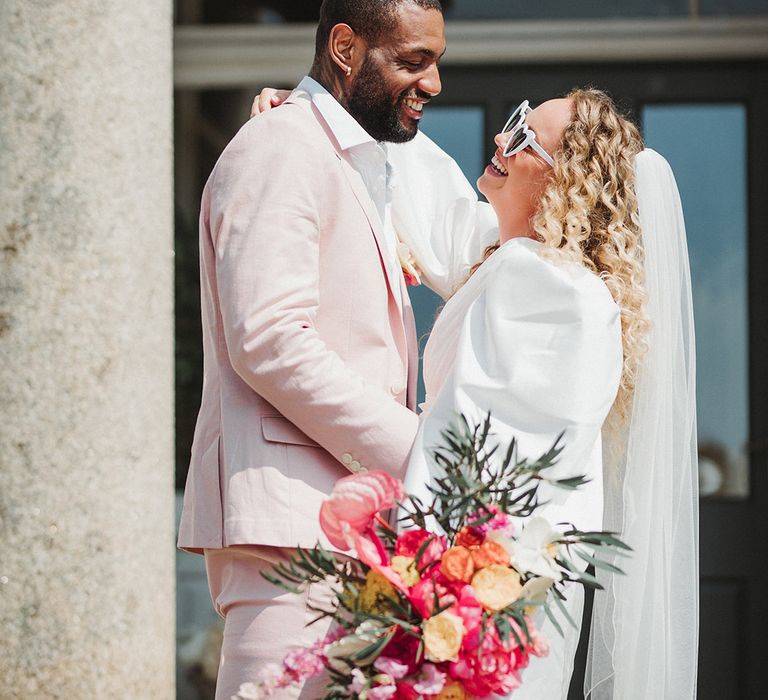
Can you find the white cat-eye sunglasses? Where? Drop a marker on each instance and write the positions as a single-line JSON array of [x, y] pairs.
[[521, 136]]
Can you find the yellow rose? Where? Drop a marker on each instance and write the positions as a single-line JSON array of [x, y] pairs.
[[442, 637], [452, 691], [496, 586], [375, 586], [406, 567]]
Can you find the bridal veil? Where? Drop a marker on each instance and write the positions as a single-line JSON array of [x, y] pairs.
[[644, 637]]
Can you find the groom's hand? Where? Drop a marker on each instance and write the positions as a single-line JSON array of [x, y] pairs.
[[267, 99]]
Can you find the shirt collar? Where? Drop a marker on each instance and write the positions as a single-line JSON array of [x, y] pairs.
[[344, 126]]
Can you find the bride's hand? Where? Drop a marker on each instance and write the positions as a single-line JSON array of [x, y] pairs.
[[267, 99]]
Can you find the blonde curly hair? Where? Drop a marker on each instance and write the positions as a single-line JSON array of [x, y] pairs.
[[588, 215]]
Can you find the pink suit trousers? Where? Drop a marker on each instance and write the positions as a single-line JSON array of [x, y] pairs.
[[262, 622]]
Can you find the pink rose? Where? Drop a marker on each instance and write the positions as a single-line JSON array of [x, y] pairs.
[[350, 509]]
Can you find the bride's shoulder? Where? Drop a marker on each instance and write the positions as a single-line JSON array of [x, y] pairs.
[[523, 270]]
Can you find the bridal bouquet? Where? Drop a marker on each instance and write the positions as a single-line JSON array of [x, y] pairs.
[[443, 608]]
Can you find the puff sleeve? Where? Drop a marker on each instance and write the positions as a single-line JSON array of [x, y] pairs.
[[436, 213], [539, 346]]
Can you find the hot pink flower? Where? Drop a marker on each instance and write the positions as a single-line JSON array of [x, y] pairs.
[[499, 522], [539, 646], [409, 542], [494, 668], [405, 691], [405, 649], [350, 509], [469, 609], [422, 595]]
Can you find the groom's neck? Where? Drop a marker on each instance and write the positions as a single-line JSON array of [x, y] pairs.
[[329, 78]]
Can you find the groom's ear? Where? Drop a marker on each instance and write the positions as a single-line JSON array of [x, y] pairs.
[[346, 48]]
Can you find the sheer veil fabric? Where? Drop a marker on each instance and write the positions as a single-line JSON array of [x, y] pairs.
[[644, 637]]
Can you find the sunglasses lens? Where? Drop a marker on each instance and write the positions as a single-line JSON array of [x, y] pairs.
[[516, 139], [514, 118]]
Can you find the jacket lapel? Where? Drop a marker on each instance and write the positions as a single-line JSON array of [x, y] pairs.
[[365, 201], [404, 328]]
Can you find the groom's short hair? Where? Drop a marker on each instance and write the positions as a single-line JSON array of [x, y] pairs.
[[369, 18]]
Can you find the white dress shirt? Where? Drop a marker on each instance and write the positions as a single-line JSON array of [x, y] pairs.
[[369, 158]]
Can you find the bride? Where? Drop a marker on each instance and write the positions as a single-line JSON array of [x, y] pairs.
[[578, 318], [568, 308]]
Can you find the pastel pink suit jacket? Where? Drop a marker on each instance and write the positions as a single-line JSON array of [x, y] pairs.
[[309, 361]]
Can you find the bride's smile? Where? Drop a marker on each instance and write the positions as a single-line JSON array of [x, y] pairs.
[[514, 183]]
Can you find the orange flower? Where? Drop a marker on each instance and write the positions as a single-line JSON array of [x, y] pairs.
[[469, 537], [457, 564], [452, 691], [497, 586], [488, 553]]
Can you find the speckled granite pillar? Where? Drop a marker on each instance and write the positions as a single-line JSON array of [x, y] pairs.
[[86, 422]]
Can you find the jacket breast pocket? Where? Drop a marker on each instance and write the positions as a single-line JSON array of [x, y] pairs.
[[279, 429]]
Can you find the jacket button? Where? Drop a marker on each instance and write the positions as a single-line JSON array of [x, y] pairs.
[[346, 458], [397, 388], [354, 465]]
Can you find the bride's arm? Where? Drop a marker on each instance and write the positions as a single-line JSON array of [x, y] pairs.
[[437, 214]]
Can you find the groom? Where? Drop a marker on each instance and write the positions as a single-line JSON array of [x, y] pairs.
[[309, 341]]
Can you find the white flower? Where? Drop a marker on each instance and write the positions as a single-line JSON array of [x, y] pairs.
[[250, 691], [340, 651], [535, 550], [358, 683], [537, 589]]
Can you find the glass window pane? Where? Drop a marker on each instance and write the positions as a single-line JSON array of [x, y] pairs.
[[459, 131], [706, 145], [546, 9]]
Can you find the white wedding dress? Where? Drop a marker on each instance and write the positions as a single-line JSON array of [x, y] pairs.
[[537, 344]]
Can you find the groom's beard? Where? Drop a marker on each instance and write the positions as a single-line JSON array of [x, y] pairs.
[[371, 105]]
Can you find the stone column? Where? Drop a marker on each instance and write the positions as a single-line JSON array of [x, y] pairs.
[[86, 347]]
